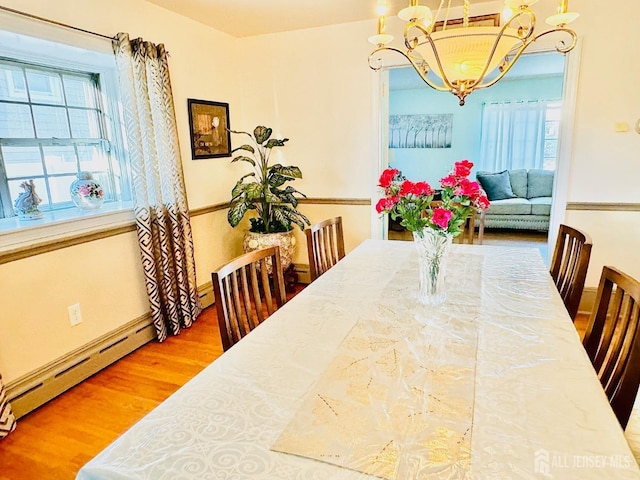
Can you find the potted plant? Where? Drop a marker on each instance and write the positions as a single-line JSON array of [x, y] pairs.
[[265, 192]]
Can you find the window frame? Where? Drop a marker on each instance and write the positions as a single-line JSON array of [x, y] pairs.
[[56, 224]]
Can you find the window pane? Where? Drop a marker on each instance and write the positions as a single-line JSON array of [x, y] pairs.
[[84, 123], [79, 91], [551, 129], [92, 158], [22, 161], [550, 148], [45, 87], [41, 191], [15, 121], [12, 84], [60, 159], [59, 187], [51, 122]]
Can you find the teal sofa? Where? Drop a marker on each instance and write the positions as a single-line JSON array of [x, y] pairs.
[[520, 199]]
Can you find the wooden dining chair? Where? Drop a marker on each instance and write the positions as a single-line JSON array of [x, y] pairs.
[[612, 339], [245, 293], [325, 245], [569, 266]]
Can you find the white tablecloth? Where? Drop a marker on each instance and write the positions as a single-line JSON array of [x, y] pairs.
[[538, 408]]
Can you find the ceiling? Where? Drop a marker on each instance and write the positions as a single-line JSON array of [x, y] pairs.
[[244, 18]]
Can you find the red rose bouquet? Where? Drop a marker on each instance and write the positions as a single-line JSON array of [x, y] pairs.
[[412, 203]]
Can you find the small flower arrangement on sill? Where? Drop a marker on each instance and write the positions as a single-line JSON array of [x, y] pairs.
[[433, 223], [412, 203]]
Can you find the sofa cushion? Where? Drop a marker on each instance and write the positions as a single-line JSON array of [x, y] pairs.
[[496, 185], [510, 206], [518, 179], [541, 206], [540, 183]]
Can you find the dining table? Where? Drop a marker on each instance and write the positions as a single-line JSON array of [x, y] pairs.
[[354, 379]]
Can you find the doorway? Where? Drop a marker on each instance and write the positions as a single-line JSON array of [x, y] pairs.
[[544, 79]]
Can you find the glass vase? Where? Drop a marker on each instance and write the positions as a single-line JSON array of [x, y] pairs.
[[86, 193], [433, 249]]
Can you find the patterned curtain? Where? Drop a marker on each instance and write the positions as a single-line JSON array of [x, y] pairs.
[[160, 203], [7, 420]]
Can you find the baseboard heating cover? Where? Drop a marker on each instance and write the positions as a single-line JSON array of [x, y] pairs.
[[38, 387]]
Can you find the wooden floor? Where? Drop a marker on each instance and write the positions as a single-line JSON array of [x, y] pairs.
[[54, 441]]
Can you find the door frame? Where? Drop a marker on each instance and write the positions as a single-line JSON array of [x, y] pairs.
[[380, 161]]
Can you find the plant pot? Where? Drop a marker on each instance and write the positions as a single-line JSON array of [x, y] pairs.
[[285, 240]]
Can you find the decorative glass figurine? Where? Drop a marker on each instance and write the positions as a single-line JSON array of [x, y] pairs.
[[86, 192]]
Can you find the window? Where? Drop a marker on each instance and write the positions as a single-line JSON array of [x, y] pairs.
[[53, 125], [551, 131], [520, 134]]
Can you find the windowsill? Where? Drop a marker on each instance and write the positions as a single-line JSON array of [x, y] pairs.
[[57, 225]]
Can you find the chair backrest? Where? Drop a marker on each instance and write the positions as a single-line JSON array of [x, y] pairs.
[[325, 245], [569, 266], [245, 294], [612, 339]]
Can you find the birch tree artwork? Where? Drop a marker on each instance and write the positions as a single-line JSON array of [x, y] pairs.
[[420, 131]]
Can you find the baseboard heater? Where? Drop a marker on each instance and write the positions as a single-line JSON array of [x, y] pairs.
[[38, 387]]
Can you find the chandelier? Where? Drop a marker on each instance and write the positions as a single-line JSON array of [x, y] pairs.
[[461, 60]]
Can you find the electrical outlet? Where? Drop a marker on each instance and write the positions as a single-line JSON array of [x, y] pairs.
[[75, 315]]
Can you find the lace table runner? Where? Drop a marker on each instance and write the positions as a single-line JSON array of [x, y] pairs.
[[397, 399]]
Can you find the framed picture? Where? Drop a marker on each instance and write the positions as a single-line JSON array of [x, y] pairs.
[[492, 20], [209, 129]]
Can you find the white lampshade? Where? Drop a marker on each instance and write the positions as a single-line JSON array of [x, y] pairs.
[[562, 18], [464, 51], [380, 39], [417, 12]]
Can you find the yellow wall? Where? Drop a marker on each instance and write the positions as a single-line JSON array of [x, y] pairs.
[[313, 86], [605, 165], [105, 276]]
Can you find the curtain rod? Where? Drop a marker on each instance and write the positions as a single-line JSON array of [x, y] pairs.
[[53, 22]]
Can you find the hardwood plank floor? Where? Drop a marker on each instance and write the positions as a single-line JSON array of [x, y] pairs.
[[56, 440]]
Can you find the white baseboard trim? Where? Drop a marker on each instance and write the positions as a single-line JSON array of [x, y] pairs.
[[38, 387]]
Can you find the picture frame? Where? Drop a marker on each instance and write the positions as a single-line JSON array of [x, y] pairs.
[[209, 126], [490, 20]]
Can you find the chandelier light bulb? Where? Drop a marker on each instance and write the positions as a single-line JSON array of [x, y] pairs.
[[381, 8], [507, 13]]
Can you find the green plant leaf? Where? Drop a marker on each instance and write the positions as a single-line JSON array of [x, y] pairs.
[[243, 158], [236, 212], [262, 134], [246, 147], [289, 171], [253, 191], [276, 143]]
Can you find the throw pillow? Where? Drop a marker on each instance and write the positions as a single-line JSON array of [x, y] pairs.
[[496, 185], [540, 183], [518, 180]]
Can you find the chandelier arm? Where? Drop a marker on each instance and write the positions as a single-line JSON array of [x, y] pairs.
[[415, 65], [526, 41], [560, 46], [410, 46], [508, 66]]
